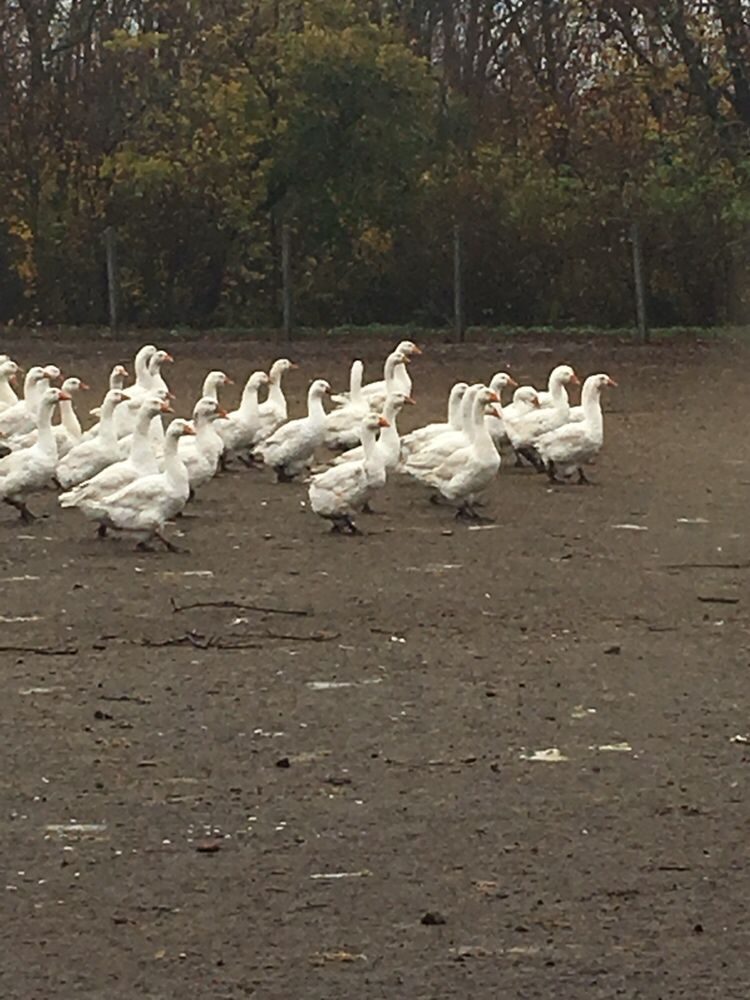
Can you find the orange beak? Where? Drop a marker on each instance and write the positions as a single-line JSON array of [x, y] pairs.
[[494, 398], [292, 365], [222, 413], [611, 381], [536, 402], [64, 396], [168, 357], [189, 430], [166, 408], [382, 422], [228, 380], [575, 380], [416, 350], [171, 395], [12, 378], [84, 386], [512, 383], [492, 412], [410, 401]]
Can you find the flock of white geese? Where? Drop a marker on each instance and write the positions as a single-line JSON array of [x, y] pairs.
[[130, 474]]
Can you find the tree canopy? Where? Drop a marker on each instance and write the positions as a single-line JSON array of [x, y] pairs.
[[196, 128]]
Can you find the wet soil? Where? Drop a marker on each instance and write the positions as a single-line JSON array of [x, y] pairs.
[[333, 797]]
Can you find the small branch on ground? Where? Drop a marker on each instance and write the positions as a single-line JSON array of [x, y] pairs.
[[238, 605]]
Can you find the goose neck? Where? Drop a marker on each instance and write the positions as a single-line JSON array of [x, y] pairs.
[[69, 418], [174, 467], [45, 434]]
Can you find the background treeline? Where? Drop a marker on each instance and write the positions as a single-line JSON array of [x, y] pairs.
[[197, 128]]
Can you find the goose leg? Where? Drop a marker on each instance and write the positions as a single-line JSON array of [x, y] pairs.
[[519, 460], [582, 480], [551, 472], [170, 546], [145, 547], [26, 516], [282, 476], [101, 531], [531, 456]]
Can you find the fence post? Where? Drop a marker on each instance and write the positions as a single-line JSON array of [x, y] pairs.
[[458, 290], [640, 283], [286, 281], [110, 248]]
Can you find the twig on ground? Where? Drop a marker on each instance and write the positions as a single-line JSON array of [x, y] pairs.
[[41, 650], [246, 640], [706, 565], [236, 604]]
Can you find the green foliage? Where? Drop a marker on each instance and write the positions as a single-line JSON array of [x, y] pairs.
[[368, 127]]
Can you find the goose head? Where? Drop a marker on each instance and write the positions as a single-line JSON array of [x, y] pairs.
[[502, 380], [206, 410], [117, 377], [396, 401], [51, 397], [408, 347], [215, 380], [279, 368], [157, 359], [563, 375], [595, 384], [318, 389], [178, 428], [155, 403], [9, 370], [256, 380], [527, 396], [52, 373], [73, 384]]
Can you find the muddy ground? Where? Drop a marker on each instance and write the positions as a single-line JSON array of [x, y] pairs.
[[379, 732]]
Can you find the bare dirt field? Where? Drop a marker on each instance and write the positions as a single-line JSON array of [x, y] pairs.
[[336, 803]]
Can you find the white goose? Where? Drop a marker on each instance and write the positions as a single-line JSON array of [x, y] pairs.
[[525, 399], [439, 447], [125, 416], [336, 493], [143, 381], [417, 439], [8, 372], [274, 410], [143, 507], [550, 396], [20, 418], [343, 424], [202, 452], [88, 457], [375, 392], [289, 449], [467, 471], [498, 382], [568, 448], [116, 381], [214, 381], [141, 461], [389, 442], [68, 432], [241, 428], [524, 430], [30, 470], [155, 363]]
